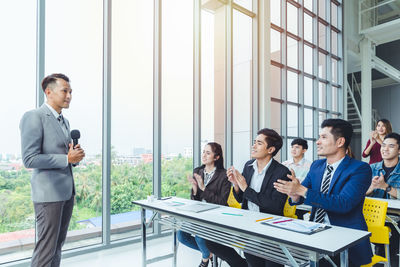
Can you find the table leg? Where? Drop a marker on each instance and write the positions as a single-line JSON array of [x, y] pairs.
[[344, 258], [314, 259], [175, 248], [143, 222]]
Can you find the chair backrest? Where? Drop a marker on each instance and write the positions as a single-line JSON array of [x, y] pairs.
[[232, 202], [375, 212], [289, 211]]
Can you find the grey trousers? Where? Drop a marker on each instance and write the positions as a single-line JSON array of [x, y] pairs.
[[52, 221]]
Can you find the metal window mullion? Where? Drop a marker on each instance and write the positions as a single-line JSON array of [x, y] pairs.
[[329, 98], [284, 60], [341, 66], [300, 23], [315, 71], [157, 90], [106, 162], [255, 73], [228, 84], [40, 49], [196, 82], [264, 65]]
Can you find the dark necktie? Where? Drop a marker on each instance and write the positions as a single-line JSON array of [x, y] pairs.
[[63, 126], [320, 213]]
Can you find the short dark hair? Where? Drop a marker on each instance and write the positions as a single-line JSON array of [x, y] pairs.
[[340, 128], [52, 79], [387, 124], [394, 136], [217, 150], [272, 138], [300, 142]]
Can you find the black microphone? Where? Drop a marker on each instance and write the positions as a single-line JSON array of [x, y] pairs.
[[75, 135]]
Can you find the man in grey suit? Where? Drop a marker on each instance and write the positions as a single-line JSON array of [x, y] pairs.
[[47, 149]]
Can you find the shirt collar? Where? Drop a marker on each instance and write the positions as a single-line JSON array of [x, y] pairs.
[[301, 162], [53, 111], [336, 164], [212, 171], [255, 167]]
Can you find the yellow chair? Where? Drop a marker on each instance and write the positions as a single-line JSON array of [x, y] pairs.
[[232, 202], [375, 213], [289, 211]]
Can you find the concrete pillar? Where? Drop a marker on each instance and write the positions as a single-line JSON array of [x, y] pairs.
[[366, 90]]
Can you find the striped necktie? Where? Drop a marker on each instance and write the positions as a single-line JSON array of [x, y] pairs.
[[320, 213]]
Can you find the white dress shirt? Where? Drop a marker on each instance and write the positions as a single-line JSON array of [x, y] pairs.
[[256, 182]]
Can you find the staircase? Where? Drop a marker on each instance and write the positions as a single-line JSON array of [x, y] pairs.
[[353, 104]]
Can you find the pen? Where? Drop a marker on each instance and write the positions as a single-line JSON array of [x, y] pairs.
[[233, 214], [259, 220], [178, 202], [284, 221], [165, 198]]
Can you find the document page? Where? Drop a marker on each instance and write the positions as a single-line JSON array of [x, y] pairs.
[[295, 225]]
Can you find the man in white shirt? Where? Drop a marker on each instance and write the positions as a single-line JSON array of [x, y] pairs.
[[254, 189], [298, 163]]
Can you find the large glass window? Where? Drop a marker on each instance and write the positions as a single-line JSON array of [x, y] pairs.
[[17, 80], [276, 12], [275, 45], [242, 81], [316, 96], [177, 97], [292, 52], [292, 86], [292, 18], [82, 61], [275, 81], [132, 112]]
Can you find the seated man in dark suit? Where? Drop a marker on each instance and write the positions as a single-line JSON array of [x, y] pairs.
[[254, 189], [335, 187]]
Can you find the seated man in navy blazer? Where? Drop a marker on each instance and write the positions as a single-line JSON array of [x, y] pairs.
[[335, 187], [254, 188]]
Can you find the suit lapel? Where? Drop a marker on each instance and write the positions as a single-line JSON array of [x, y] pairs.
[[53, 121], [268, 175], [320, 174], [214, 177], [250, 172], [342, 166]]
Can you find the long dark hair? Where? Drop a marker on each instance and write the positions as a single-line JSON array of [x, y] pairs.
[[387, 124], [217, 150]]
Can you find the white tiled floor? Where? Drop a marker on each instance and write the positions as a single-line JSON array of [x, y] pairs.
[[131, 255]]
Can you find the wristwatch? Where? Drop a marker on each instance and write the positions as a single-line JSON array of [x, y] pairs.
[[387, 190]]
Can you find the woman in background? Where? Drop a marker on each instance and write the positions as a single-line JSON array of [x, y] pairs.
[[209, 184], [373, 148]]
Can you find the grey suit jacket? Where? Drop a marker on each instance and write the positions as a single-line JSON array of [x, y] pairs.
[[44, 148]]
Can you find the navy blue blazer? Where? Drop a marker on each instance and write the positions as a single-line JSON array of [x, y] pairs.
[[268, 199], [344, 200]]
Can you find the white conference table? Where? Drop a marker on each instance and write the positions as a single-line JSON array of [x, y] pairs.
[[243, 232]]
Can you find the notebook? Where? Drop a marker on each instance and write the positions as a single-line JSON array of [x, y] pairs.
[[198, 207]]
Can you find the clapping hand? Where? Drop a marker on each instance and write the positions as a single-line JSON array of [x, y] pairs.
[[291, 188], [236, 178], [199, 181], [378, 182]]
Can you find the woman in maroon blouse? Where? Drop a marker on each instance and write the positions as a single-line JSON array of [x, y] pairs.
[[373, 148]]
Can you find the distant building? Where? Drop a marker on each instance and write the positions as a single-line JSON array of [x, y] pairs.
[[137, 151], [188, 152]]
